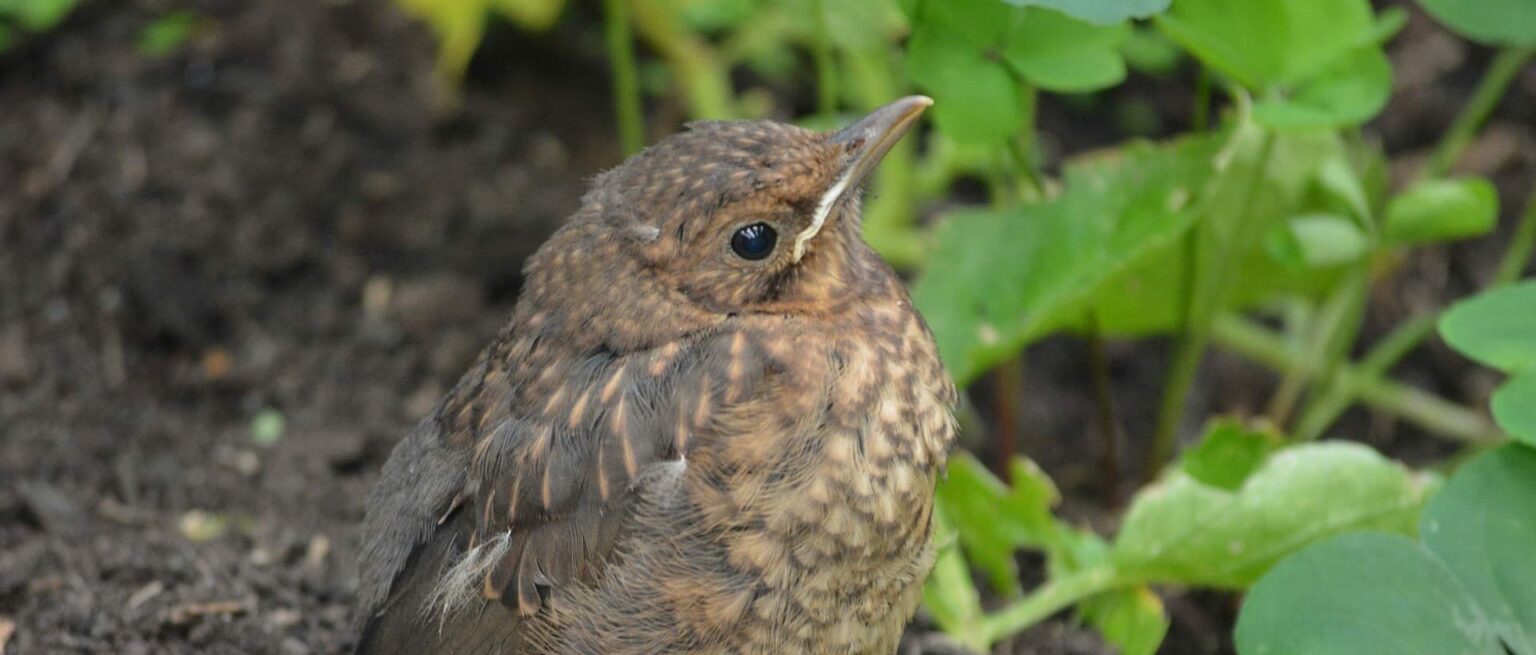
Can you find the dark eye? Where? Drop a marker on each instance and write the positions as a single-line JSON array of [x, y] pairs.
[[754, 241]]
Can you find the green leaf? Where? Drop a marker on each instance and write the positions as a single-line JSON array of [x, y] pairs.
[[1514, 406], [1319, 240], [37, 15], [992, 520], [1148, 297], [167, 34], [1261, 43], [1076, 551], [1340, 181], [459, 24], [1492, 22], [1389, 22], [862, 24], [1346, 93], [534, 15], [1481, 527], [1058, 53], [1029, 502], [1360, 594], [975, 100], [856, 26], [1131, 618], [1494, 327], [1099, 12], [979, 23], [1442, 210], [716, 15], [1150, 51], [1468, 588], [1228, 453], [1001, 278], [1183, 531]]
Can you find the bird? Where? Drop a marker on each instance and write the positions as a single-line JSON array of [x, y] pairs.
[[713, 424]]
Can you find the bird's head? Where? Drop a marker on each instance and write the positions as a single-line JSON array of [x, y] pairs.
[[726, 218]]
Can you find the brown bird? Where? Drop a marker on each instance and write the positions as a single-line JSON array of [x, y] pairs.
[[712, 425]]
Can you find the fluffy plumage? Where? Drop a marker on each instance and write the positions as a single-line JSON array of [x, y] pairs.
[[672, 448]]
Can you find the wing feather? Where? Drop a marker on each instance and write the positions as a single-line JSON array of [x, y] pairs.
[[543, 462]]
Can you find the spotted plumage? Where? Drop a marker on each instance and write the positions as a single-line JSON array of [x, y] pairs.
[[677, 445]]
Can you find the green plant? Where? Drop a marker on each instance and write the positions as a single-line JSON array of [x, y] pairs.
[[1495, 329], [460, 24], [1501, 23], [982, 60], [1232, 507], [18, 17], [1284, 210], [1467, 586], [167, 33]]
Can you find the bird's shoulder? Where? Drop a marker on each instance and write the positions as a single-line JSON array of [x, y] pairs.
[[558, 440]]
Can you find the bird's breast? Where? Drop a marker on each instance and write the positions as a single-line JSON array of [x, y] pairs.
[[828, 507], [791, 506]]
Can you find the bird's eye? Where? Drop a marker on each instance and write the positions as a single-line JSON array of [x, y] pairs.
[[754, 241]]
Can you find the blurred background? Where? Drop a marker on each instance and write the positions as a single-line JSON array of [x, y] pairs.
[[244, 246]]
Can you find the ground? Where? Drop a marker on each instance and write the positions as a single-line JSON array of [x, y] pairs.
[[282, 221]]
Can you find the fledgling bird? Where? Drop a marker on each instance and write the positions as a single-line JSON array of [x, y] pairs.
[[713, 425]]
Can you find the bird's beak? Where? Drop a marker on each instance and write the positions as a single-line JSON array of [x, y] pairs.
[[864, 143], [868, 139]]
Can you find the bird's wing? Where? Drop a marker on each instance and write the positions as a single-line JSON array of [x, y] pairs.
[[553, 487], [407, 625], [518, 502], [411, 530]]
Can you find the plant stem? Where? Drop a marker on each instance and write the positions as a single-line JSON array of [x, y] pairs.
[[1005, 414], [1518, 255], [626, 81], [1200, 119], [1109, 427], [1208, 280], [1421, 408], [1022, 146], [1338, 326], [1342, 310], [1047, 599], [826, 64], [705, 79], [1392, 348], [1187, 355], [1490, 89], [1405, 337]]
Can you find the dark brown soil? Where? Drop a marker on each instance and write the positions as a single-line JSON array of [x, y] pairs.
[[275, 222], [272, 219]]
